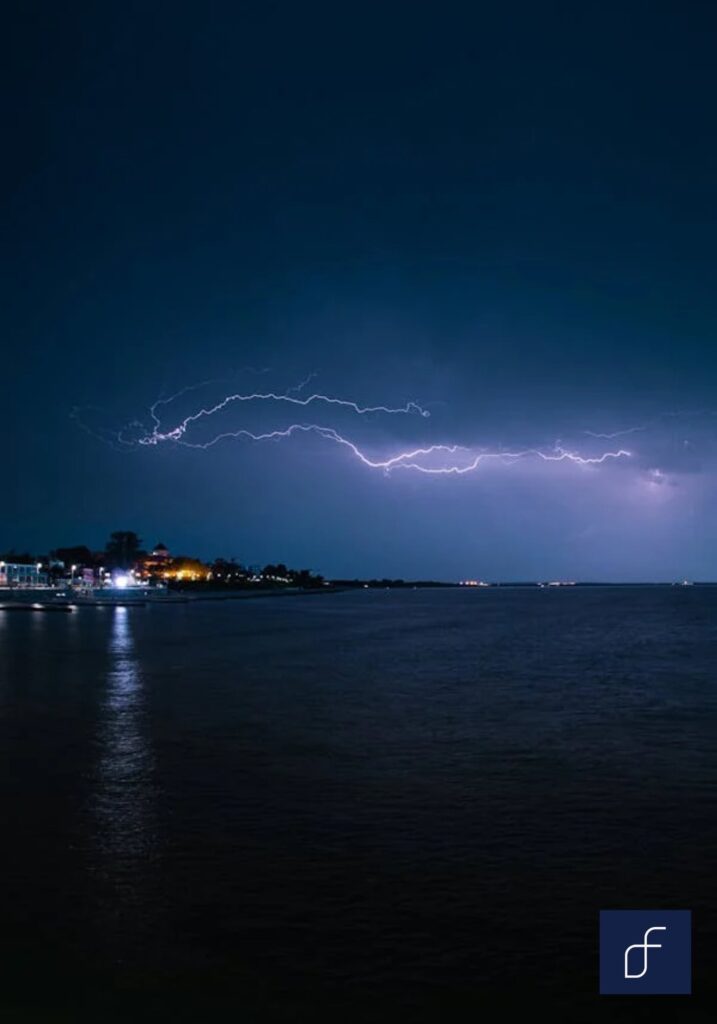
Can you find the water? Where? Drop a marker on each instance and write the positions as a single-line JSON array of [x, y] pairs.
[[373, 805]]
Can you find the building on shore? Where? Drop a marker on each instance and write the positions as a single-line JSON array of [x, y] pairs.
[[13, 574], [155, 565], [160, 565]]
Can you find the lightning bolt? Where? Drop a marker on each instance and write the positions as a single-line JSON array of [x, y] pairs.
[[434, 459], [408, 459], [302, 384], [616, 433], [178, 432], [655, 421]]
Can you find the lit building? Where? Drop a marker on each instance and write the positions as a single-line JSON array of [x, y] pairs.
[[160, 565], [187, 569], [155, 564], [14, 575]]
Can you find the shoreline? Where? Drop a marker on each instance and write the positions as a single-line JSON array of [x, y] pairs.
[[34, 600]]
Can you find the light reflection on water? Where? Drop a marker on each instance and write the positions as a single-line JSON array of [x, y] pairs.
[[123, 805]]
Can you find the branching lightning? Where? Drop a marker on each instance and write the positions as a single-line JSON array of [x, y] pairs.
[[408, 459], [616, 433], [177, 433], [678, 414], [441, 459]]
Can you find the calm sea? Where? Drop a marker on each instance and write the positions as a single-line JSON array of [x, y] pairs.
[[367, 806]]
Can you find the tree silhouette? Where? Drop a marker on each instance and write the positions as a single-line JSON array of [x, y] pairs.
[[123, 549], [80, 554]]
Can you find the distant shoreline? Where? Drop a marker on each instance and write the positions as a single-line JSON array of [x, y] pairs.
[[343, 586], [533, 584], [17, 598]]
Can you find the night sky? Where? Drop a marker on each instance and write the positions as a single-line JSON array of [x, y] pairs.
[[503, 213]]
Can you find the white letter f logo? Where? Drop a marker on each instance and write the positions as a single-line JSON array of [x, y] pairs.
[[644, 946]]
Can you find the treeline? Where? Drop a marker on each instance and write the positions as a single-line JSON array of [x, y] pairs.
[[122, 550]]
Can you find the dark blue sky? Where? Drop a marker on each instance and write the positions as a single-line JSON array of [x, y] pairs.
[[503, 212]]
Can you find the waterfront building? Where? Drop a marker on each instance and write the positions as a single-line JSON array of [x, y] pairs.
[[13, 574], [155, 565]]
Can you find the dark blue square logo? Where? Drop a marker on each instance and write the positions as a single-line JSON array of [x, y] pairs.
[[645, 952]]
